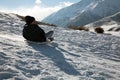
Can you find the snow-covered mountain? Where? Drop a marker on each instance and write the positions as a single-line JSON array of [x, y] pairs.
[[84, 12], [109, 20], [73, 55], [109, 24]]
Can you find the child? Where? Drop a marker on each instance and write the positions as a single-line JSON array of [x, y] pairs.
[[32, 31]]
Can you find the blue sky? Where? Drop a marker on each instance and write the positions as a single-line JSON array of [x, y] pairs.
[[16, 3], [30, 3], [38, 8]]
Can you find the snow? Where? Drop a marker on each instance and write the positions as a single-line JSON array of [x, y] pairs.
[[84, 12], [73, 55], [106, 26]]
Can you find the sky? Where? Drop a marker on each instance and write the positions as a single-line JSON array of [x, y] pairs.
[[37, 8]]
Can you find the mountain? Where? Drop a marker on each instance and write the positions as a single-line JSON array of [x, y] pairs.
[[84, 12], [109, 20], [73, 55], [109, 23]]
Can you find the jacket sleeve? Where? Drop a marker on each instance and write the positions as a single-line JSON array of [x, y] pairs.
[[41, 32]]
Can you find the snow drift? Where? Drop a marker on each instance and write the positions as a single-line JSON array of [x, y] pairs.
[[73, 55]]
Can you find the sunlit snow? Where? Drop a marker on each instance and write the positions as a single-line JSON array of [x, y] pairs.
[[73, 55]]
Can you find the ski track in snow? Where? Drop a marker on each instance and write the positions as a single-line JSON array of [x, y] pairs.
[[73, 55]]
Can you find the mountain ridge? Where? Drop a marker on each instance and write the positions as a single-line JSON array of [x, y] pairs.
[[84, 12], [115, 19]]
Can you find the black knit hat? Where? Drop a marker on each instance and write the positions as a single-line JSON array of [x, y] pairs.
[[29, 19]]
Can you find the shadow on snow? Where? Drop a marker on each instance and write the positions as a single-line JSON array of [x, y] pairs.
[[52, 52]]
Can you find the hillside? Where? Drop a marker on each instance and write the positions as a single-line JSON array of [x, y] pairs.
[[73, 55], [84, 12], [109, 20], [110, 24]]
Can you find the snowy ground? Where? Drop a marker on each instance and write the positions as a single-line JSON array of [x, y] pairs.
[[73, 55], [106, 26]]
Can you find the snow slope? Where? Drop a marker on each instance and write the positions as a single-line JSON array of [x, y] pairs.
[[84, 12], [110, 24], [73, 55], [109, 20]]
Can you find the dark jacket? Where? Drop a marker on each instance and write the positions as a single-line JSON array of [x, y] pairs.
[[34, 33]]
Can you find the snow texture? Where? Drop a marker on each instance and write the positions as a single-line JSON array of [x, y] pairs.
[[73, 55]]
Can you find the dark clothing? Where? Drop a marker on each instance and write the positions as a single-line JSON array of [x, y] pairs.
[[34, 33]]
